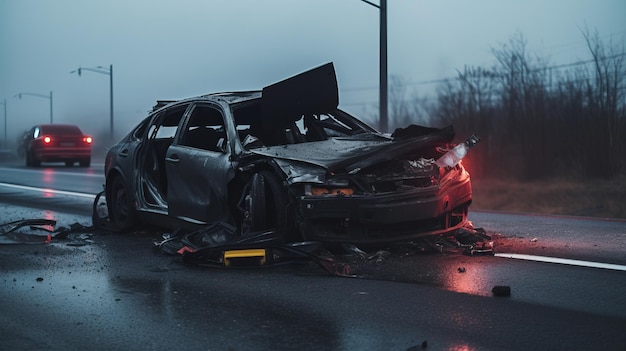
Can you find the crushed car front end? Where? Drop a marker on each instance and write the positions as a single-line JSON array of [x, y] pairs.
[[370, 188], [401, 206]]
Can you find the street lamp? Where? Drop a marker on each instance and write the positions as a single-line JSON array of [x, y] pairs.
[[41, 96], [383, 63], [5, 143], [109, 73]]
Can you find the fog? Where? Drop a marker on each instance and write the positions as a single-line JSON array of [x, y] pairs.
[[178, 49]]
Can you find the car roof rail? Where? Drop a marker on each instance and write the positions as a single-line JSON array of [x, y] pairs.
[[161, 103]]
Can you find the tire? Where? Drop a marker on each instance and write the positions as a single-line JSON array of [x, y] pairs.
[[69, 163], [266, 206], [86, 162], [31, 160], [120, 204]]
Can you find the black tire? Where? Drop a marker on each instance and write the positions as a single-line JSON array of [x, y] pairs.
[[31, 160], [69, 163], [266, 206], [120, 204], [85, 162]]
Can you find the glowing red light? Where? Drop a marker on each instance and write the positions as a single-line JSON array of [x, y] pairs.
[[47, 139], [88, 139]]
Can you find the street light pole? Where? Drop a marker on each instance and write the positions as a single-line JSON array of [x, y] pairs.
[[41, 96], [108, 72], [5, 143], [111, 97], [383, 119]]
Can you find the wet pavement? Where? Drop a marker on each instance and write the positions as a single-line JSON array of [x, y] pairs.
[[98, 290]]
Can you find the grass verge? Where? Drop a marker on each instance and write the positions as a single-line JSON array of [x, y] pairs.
[[593, 198]]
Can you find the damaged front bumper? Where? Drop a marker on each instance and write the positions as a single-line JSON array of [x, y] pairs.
[[386, 217]]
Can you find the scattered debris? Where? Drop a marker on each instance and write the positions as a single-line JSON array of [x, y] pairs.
[[501, 290], [218, 246], [41, 231], [474, 241], [533, 240], [379, 256], [38, 233], [422, 346]]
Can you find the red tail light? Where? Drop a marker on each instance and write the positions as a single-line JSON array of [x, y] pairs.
[[47, 140], [88, 139]]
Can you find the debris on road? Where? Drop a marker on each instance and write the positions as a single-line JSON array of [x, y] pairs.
[[42, 231], [501, 290], [218, 246], [39, 231]]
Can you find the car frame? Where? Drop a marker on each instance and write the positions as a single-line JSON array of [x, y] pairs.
[[330, 177], [55, 143]]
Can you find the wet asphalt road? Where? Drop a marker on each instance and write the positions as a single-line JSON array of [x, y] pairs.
[[99, 290]]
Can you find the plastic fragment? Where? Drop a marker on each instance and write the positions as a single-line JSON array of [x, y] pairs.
[[501, 290]]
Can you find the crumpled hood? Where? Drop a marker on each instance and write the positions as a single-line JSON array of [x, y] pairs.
[[356, 152]]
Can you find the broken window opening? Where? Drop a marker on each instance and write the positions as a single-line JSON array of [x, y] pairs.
[[205, 130]]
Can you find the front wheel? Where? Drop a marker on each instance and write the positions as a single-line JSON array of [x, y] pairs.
[[121, 211], [265, 206]]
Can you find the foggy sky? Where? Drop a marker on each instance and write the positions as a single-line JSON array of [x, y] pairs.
[[177, 49]]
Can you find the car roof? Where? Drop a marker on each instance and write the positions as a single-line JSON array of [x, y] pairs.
[[59, 129], [230, 98]]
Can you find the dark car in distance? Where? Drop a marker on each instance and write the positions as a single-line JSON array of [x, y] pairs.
[[55, 143], [285, 158]]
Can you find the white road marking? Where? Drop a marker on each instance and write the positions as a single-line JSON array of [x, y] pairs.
[[562, 261], [57, 171], [46, 190]]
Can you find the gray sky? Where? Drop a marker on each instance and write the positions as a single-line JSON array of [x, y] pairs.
[[176, 49]]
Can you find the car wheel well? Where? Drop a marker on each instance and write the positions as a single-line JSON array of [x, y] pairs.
[[280, 206]]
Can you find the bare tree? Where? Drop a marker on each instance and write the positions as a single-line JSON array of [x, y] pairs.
[[538, 120], [606, 94]]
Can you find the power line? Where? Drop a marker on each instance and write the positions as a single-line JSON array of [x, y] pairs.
[[445, 80]]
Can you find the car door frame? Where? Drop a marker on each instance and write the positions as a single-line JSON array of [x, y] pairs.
[[197, 179]]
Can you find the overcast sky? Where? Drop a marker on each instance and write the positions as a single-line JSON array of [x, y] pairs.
[[176, 49]]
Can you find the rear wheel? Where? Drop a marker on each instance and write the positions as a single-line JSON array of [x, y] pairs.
[[31, 160], [266, 206], [69, 163], [85, 162], [121, 211]]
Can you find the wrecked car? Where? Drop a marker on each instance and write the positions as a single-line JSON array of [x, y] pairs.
[[286, 158]]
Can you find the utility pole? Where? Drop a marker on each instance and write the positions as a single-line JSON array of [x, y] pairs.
[[109, 73], [382, 89], [5, 141]]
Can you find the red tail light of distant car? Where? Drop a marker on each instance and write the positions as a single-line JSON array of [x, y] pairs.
[[87, 139], [47, 140]]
